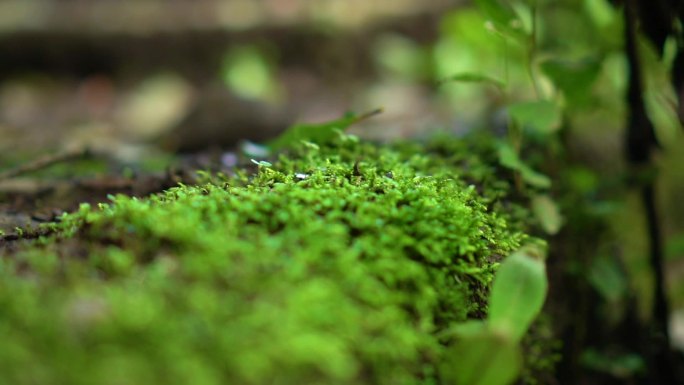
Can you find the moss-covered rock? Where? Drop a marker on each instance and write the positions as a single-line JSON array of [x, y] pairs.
[[337, 264]]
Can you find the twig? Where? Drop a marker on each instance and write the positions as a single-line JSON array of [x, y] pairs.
[[44, 162], [27, 235], [367, 115]]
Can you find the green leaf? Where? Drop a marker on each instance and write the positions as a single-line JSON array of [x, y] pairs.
[[468, 328], [509, 158], [601, 12], [547, 213], [503, 17], [541, 116], [575, 79], [482, 359], [247, 72], [261, 163], [608, 278], [661, 107], [621, 366], [518, 294], [317, 133], [470, 77]]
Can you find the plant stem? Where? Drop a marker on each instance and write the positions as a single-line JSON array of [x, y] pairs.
[[532, 52]]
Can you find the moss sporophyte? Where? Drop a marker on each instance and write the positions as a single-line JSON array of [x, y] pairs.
[[339, 263]]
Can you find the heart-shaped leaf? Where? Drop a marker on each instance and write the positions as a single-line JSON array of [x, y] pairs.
[[518, 294], [481, 359]]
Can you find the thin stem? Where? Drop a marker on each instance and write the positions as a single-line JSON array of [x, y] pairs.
[[506, 68], [532, 52]]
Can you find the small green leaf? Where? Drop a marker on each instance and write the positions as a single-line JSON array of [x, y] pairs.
[[606, 276], [470, 77], [541, 116], [317, 133], [482, 359], [601, 12], [547, 213], [247, 72], [503, 17], [661, 107], [621, 366], [509, 158], [498, 12], [574, 79], [518, 294], [261, 163]]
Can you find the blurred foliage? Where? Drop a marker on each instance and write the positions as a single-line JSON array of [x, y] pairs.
[[559, 73], [560, 69], [248, 72]]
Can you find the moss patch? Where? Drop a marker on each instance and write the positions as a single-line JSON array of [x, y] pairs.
[[337, 264]]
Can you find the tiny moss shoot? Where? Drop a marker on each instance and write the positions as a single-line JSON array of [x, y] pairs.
[[336, 264]]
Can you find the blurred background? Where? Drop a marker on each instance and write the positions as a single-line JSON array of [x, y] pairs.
[[183, 75], [141, 81]]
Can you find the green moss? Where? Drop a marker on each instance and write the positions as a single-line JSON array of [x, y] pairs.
[[338, 264]]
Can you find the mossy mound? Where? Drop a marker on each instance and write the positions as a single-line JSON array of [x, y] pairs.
[[337, 264]]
